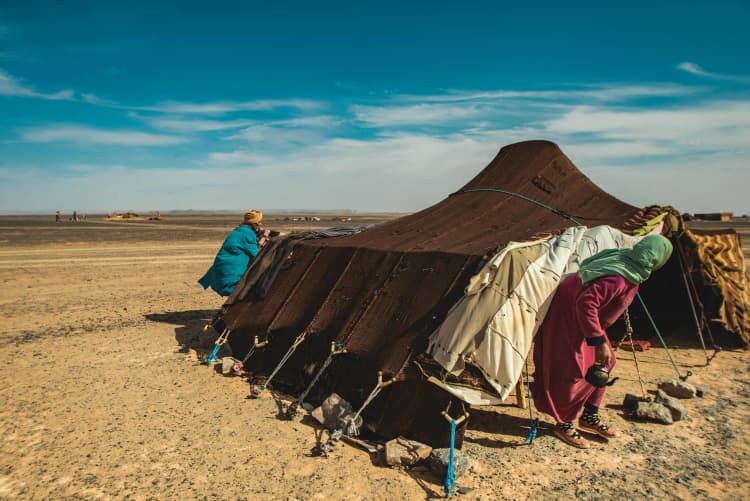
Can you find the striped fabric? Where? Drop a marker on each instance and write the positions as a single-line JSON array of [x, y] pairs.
[[716, 266], [715, 259]]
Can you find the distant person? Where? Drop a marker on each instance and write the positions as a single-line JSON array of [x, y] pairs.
[[572, 345], [75, 216], [238, 249], [57, 216]]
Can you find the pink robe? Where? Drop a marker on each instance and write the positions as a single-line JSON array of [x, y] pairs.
[[561, 352]]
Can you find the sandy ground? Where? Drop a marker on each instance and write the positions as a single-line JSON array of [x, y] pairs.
[[102, 400]]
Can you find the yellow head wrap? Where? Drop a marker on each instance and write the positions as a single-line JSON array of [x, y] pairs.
[[253, 216]]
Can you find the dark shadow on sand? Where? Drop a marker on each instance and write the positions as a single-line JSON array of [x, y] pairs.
[[497, 423], [189, 331]]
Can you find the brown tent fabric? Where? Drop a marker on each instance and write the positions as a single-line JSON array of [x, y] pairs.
[[381, 292]]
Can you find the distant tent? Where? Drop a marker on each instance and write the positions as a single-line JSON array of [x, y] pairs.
[[380, 293]]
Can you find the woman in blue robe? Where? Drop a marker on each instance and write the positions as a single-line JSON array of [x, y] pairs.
[[234, 256]]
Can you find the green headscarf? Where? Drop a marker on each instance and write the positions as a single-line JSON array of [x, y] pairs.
[[635, 265]]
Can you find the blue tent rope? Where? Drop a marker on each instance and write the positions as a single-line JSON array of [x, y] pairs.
[[661, 339], [213, 356], [532, 422], [450, 479]]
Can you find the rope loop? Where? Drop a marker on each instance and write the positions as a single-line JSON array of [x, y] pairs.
[[220, 341]]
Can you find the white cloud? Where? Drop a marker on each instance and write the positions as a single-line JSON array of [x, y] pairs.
[[13, 87], [695, 183], [710, 126], [218, 108], [487, 108], [10, 86], [308, 121], [190, 125], [271, 136], [401, 173], [90, 135], [92, 99], [405, 172], [591, 153], [418, 114], [589, 92], [635, 152], [697, 70]]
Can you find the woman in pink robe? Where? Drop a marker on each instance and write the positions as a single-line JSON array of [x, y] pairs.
[[572, 337]]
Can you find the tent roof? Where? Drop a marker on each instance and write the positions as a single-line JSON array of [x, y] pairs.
[[475, 223]]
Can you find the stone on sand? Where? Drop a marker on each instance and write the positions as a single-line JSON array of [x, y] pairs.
[[403, 452], [654, 411], [438, 462], [679, 389], [675, 407]]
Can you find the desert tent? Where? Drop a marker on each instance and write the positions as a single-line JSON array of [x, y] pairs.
[[380, 293]]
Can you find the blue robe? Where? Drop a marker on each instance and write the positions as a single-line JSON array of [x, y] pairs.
[[231, 262]]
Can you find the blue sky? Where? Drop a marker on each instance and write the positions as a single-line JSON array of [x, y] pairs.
[[335, 105]]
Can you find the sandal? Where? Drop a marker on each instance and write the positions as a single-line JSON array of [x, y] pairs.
[[568, 434], [592, 424]]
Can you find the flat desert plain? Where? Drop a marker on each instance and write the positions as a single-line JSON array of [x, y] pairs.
[[103, 400]]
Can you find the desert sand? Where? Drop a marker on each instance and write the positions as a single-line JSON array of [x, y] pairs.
[[104, 399]]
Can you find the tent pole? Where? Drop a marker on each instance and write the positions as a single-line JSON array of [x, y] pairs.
[[694, 290], [680, 258]]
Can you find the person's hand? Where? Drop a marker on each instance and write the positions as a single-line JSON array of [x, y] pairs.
[[603, 355]]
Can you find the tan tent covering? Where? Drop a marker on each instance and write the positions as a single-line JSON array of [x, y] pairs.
[[716, 262]]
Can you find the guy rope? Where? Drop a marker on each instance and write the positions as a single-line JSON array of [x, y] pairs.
[[351, 426], [661, 339], [220, 341], [629, 332], [532, 422], [450, 474], [291, 411], [241, 364], [257, 389]]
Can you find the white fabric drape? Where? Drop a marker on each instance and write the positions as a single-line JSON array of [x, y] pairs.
[[494, 324]]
